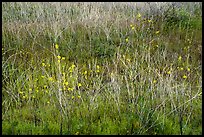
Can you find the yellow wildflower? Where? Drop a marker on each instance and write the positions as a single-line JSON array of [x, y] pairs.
[[154, 81], [128, 60], [181, 68], [157, 32], [169, 72], [50, 78], [97, 66], [43, 64], [184, 76], [56, 46], [73, 66], [133, 28], [79, 84], [188, 69], [85, 72], [63, 58], [59, 57], [138, 15], [97, 70], [48, 102], [66, 83], [149, 21], [126, 39], [72, 97], [179, 58], [58, 61], [70, 89]]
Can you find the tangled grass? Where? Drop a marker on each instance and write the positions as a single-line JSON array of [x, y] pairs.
[[101, 68]]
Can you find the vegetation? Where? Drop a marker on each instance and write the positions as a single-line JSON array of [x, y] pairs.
[[101, 68]]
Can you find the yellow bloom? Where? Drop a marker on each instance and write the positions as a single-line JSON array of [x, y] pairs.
[[73, 66], [58, 61], [77, 133], [138, 15], [72, 97], [37, 91], [79, 96], [42, 76], [33, 96], [128, 60], [63, 58], [50, 78], [149, 21], [179, 58], [20, 92], [70, 89], [169, 72], [181, 68], [131, 25], [48, 102], [184, 76], [97, 70], [154, 81], [133, 28], [157, 32], [126, 39], [188, 69], [24, 97], [43, 64], [85, 72], [66, 83], [56, 46], [59, 57], [97, 66], [30, 89], [79, 84]]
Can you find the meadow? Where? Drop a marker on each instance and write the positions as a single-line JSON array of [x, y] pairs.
[[101, 68]]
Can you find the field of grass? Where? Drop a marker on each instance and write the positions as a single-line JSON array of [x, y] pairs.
[[101, 68]]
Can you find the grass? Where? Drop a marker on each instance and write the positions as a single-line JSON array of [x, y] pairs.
[[101, 68]]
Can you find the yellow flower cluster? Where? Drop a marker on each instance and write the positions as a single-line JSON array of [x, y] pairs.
[[72, 68], [97, 68], [132, 27]]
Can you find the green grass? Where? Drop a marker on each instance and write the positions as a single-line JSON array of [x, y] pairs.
[[105, 77]]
